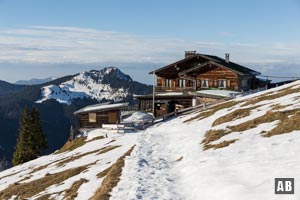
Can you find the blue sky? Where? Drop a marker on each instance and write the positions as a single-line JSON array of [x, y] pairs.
[[41, 38]]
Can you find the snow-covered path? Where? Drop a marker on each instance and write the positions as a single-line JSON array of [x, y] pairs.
[[149, 171]]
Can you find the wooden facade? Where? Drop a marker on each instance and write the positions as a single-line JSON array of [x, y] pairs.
[[102, 117], [198, 72], [95, 116], [168, 103]]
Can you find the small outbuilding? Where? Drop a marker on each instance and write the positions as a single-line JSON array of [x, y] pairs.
[[94, 116]]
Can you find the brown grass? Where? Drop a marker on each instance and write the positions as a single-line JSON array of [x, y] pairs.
[[212, 110], [96, 138], [70, 159], [288, 124], [8, 175], [112, 178], [213, 135], [279, 106], [179, 159], [72, 192], [29, 189], [270, 96], [71, 145], [110, 141], [270, 116], [219, 145], [237, 114], [107, 149], [104, 172]]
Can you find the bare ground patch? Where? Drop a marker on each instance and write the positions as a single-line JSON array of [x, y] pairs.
[[212, 110], [71, 145], [72, 192], [112, 178], [280, 93], [219, 145], [237, 114], [29, 189]]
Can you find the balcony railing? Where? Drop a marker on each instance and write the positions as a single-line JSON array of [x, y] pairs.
[[173, 89]]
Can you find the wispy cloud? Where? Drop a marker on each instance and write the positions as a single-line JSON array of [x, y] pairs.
[[50, 44]]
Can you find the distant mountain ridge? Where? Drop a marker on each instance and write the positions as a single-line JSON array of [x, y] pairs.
[[35, 81], [106, 84]]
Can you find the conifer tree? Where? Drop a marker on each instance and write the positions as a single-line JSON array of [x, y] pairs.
[[38, 141], [22, 152], [31, 141]]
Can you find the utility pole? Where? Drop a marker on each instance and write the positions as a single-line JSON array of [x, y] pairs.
[[153, 95]]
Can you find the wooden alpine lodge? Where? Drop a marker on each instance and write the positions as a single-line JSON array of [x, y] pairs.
[[197, 78]]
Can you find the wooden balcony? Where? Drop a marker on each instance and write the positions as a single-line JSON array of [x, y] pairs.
[[173, 89]]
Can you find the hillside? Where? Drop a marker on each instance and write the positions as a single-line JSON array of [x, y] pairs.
[[108, 84], [57, 117], [232, 151]]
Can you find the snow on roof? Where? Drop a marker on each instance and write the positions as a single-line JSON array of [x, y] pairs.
[[222, 93], [101, 107]]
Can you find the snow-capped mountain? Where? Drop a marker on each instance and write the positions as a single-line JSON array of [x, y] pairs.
[[232, 150], [35, 81], [106, 84]]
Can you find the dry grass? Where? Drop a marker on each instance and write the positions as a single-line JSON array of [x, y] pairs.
[[279, 106], [213, 135], [112, 178], [179, 159], [288, 121], [212, 110], [107, 149], [104, 172], [219, 145], [71, 145], [70, 159], [29, 189], [270, 96], [270, 116], [288, 124], [8, 175], [72, 192], [237, 114], [96, 138], [110, 141]]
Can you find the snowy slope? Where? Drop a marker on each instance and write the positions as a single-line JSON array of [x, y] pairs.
[[243, 170], [91, 84], [169, 160], [54, 163]]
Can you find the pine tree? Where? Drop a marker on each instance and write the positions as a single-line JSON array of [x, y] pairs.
[[31, 141], [38, 140], [22, 152]]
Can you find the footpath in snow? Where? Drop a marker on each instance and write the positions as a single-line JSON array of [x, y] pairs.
[[148, 173]]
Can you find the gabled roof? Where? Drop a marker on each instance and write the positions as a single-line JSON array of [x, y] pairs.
[[101, 107], [220, 61]]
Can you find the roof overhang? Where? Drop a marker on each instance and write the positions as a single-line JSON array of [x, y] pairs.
[[101, 108]]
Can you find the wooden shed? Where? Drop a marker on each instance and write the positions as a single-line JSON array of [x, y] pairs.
[[94, 116]]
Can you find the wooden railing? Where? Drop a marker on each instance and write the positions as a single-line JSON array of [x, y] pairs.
[[173, 89]]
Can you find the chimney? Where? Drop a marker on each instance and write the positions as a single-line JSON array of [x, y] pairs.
[[189, 53], [227, 57]]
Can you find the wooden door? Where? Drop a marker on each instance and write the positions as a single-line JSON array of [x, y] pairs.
[[112, 117]]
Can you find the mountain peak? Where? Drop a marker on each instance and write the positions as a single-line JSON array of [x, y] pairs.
[[109, 83]]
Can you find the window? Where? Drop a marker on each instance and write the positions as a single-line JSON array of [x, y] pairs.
[[222, 83], [181, 83], [168, 83], [92, 117], [204, 83]]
